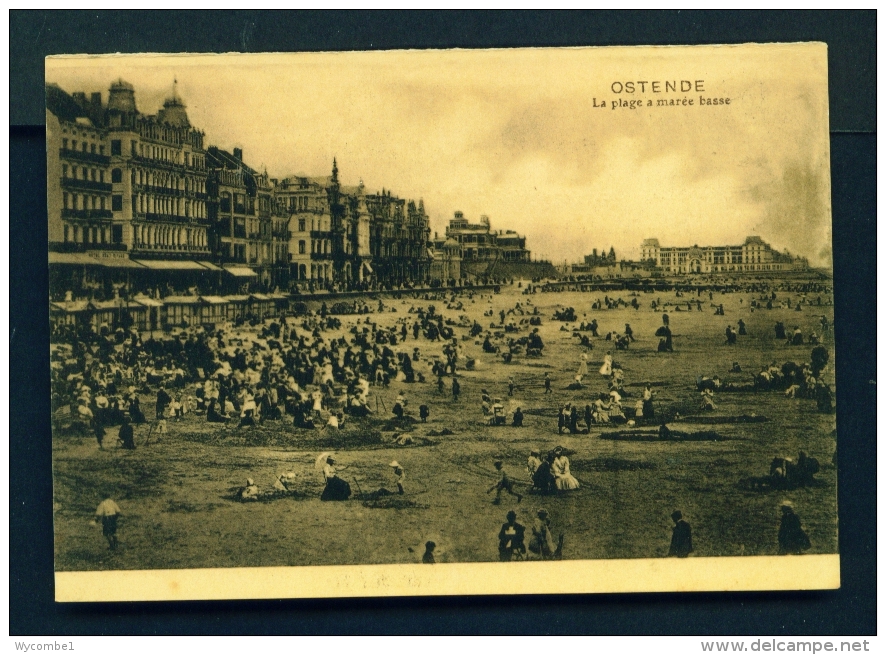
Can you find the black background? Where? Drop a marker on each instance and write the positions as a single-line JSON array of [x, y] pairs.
[[851, 37]]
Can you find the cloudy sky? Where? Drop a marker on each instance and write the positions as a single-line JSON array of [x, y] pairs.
[[514, 134]]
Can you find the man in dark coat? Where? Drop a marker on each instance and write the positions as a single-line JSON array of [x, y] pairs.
[[126, 434], [511, 538], [681, 540], [792, 540], [163, 399]]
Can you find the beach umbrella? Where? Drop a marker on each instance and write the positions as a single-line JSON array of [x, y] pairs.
[[320, 462]]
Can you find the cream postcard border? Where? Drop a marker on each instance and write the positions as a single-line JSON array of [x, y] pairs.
[[763, 573]]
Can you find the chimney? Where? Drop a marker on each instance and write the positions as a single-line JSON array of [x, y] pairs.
[[238, 154]]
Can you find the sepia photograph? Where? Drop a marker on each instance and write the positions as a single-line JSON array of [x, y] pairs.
[[550, 320]]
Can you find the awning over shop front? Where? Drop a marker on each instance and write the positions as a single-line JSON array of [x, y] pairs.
[[72, 258], [119, 303], [70, 306], [181, 300], [119, 262], [170, 265], [210, 266], [259, 296], [241, 271], [214, 300], [147, 302]]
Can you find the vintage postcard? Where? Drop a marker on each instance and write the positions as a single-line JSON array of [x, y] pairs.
[[513, 321]]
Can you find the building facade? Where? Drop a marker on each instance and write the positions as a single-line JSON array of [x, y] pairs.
[[328, 231], [482, 244], [399, 238], [753, 256], [342, 236], [122, 180], [446, 260], [248, 226], [142, 194]]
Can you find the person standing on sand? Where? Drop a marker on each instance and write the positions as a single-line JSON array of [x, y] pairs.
[[428, 557], [126, 435], [456, 389], [108, 512], [542, 542], [681, 539]]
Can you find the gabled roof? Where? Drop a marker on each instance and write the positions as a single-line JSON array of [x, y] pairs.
[[219, 158], [62, 104]]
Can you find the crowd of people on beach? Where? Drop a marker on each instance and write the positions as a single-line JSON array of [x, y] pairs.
[[317, 371]]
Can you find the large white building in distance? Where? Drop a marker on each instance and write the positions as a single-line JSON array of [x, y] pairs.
[[753, 256]]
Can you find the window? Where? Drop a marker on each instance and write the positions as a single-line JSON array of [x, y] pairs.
[[240, 228], [117, 233], [101, 176], [65, 144], [92, 148], [67, 234], [132, 148], [301, 225], [64, 170], [74, 144], [65, 200], [116, 175], [117, 203], [116, 148], [225, 203], [301, 247], [102, 202], [101, 150]]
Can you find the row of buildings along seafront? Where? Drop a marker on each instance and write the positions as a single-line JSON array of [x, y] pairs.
[[475, 250], [141, 201], [753, 256]]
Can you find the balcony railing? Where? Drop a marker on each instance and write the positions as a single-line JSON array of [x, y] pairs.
[[87, 185], [159, 247], [169, 218], [166, 191], [88, 157], [162, 163], [87, 213]]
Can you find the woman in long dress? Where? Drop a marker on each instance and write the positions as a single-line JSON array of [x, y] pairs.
[[606, 369], [582, 367], [562, 477], [542, 542], [336, 488]]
